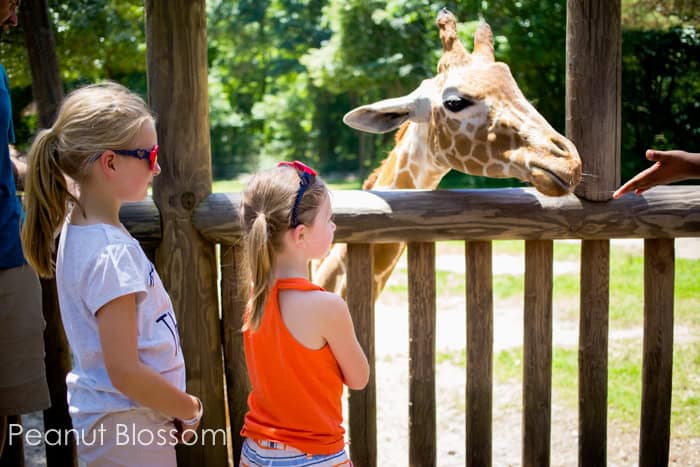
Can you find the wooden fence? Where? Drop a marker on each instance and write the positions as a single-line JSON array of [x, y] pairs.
[[478, 217]]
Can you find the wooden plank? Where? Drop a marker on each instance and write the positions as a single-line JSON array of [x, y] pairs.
[[593, 353], [659, 276], [537, 353], [176, 54], [422, 410], [484, 214], [363, 404], [479, 287], [593, 90], [233, 303]]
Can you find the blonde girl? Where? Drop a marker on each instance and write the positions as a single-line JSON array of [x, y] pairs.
[[128, 374], [299, 340]]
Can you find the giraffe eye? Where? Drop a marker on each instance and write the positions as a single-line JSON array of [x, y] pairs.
[[456, 103]]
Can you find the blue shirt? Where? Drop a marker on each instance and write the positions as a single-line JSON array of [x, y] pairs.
[[10, 209]]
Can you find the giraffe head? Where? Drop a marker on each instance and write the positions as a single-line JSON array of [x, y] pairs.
[[473, 118]]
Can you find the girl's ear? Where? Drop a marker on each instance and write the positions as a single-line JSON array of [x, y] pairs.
[[297, 234], [106, 162]]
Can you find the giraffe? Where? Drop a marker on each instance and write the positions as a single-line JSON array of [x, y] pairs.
[[470, 117]]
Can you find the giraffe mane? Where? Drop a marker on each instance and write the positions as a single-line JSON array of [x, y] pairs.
[[372, 179]]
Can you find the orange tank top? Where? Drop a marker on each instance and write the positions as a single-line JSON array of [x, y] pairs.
[[296, 392]]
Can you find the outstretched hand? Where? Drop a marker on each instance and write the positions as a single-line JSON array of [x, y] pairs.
[[670, 166]]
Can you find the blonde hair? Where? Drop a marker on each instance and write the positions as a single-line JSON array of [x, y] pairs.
[[266, 214], [91, 120]]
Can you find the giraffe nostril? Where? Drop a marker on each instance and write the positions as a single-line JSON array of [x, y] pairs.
[[562, 149]]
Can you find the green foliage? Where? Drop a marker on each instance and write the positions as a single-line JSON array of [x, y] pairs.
[[282, 73], [660, 94]]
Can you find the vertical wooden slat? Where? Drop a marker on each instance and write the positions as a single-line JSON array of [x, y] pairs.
[[363, 404], [659, 264], [176, 56], [233, 302], [479, 289], [593, 104], [537, 353], [593, 353], [421, 310]]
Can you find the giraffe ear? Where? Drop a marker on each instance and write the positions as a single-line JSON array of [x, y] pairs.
[[389, 114]]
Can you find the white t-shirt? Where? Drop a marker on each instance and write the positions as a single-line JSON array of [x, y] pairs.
[[94, 265]]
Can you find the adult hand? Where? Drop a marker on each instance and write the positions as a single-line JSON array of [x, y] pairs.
[[670, 166]]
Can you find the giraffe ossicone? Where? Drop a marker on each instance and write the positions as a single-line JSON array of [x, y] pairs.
[[471, 117]]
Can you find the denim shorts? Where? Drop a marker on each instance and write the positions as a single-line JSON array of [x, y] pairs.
[[259, 453]]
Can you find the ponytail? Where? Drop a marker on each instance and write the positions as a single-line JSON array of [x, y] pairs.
[[266, 215], [261, 258], [46, 203]]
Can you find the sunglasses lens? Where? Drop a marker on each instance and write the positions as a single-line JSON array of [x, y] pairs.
[[154, 157]]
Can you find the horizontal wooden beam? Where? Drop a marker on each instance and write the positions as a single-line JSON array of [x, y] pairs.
[[483, 214]]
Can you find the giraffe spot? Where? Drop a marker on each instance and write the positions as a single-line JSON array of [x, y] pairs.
[[445, 139], [464, 146], [473, 167], [481, 134], [404, 180], [500, 145], [479, 153], [454, 124], [470, 128], [494, 170]]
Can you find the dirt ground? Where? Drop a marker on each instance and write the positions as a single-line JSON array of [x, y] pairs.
[[392, 383]]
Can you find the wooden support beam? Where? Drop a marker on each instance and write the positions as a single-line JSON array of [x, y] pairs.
[[499, 214], [362, 405], [422, 409], [657, 366], [593, 90], [176, 41], [479, 287], [537, 353], [593, 353]]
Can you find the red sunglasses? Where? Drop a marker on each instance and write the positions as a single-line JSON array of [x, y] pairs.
[[305, 175], [150, 155]]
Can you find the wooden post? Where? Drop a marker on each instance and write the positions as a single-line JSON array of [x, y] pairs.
[[593, 77], [537, 353], [422, 409], [657, 367], [593, 353], [479, 288], [176, 41], [233, 301], [362, 405]]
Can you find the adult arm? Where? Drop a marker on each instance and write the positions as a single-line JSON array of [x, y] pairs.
[[669, 167], [19, 170]]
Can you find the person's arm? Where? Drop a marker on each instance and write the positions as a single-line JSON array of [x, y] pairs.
[[670, 166], [339, 332], [117, 324], [19, 170]]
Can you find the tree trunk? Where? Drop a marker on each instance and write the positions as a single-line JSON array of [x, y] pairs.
[[46, 78], [47, 89]]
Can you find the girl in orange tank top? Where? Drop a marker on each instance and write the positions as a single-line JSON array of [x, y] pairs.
[[300, 344]]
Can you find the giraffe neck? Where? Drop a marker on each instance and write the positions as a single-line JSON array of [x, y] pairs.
[[410, 164]]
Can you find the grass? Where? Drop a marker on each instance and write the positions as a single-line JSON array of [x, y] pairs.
[[238, 184]]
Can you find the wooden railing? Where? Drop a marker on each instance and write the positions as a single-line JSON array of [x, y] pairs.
[[479, 216]]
